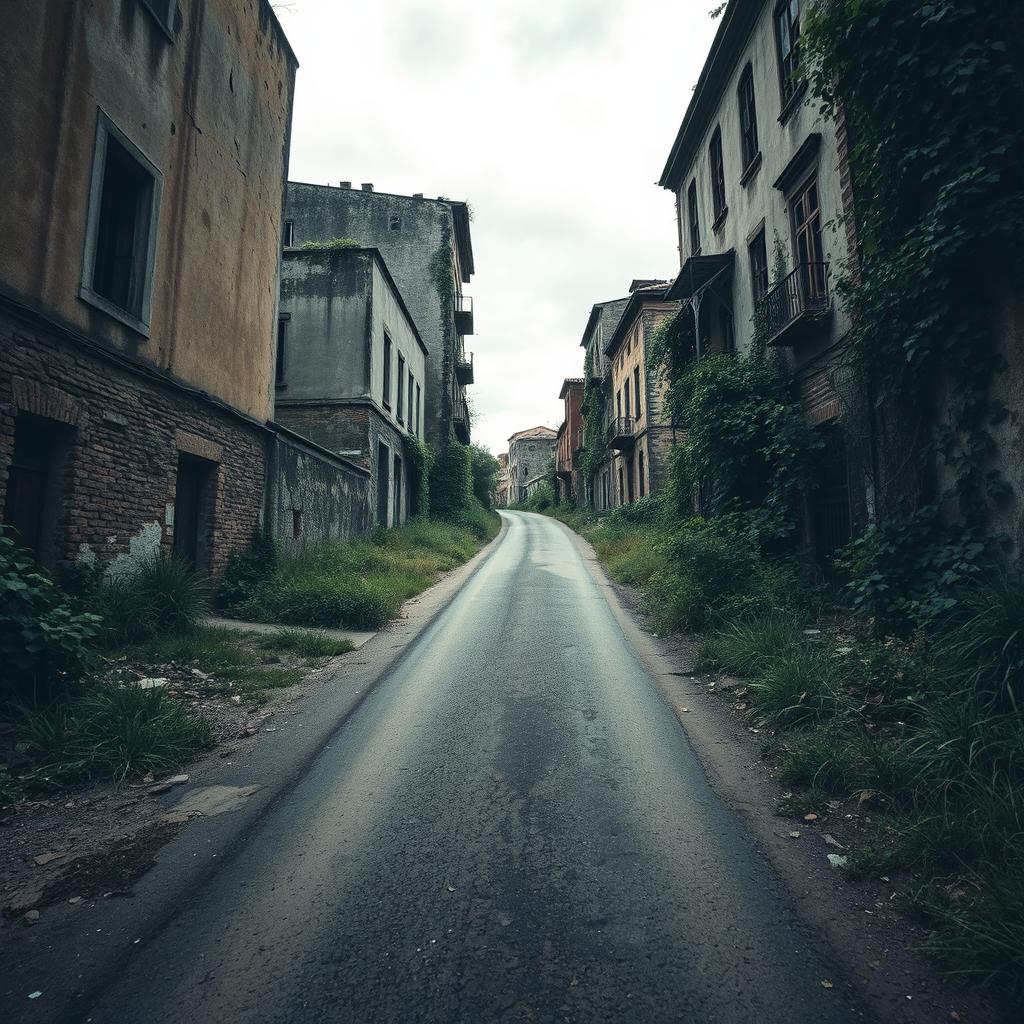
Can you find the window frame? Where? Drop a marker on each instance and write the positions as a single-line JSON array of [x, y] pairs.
[[636, 390], [280, 381], [386, 380], [790, 80], [693, 216], [716, 163], [400, 397], [750, 146], [759, 275], [288, 241], [410, 418], [165, 20], [141, 322]]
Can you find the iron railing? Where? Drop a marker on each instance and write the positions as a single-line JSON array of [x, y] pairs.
[[803, 294], [621, 431]]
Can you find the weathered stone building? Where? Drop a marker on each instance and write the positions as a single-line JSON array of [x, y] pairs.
[[604, 318], [758, 174], [639, 433], [529, 460], [144, 169], [501, 490], [569, 479], [427, 246], [351, 367]]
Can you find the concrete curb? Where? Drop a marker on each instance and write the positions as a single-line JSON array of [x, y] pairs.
[[71, 965]]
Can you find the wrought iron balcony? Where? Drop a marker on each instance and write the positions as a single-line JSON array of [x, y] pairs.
[[464, 368], [797, 304], [460, 418], [621, 433], [464, 314]]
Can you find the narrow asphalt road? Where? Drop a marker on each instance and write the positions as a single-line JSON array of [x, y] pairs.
[[511, 828]]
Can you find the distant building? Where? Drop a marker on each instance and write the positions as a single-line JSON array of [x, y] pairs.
[[427, 247], [351, 367], [604, 318], [501, 490], [639, 433], [570, 442], [138, 302], [530, 454]]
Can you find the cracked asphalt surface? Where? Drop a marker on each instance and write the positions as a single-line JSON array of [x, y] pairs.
[[511, 828]]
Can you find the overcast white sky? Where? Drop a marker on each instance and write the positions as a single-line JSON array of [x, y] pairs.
[[552, 117]]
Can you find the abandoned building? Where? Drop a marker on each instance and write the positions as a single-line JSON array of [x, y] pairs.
[[530, 454], [136, 321], [639, 433], [427, 246], [604, 318], [757, 174], [569, 447], [351, 367], [501, 488]]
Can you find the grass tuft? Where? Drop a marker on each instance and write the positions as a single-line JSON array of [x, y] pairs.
[[306, 644]]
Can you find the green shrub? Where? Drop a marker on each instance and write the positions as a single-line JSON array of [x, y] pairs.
[[420, 459], [485, 469], [451, 481], [44, 644], [247, 569], [113, 732], [542, 499], [159, 596], [801, 684], [644, 511]]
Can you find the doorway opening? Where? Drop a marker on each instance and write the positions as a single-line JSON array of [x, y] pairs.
[[194, 511], [383, 467], [398, 491]]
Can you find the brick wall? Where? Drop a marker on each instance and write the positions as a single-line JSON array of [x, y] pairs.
[[126, 432]]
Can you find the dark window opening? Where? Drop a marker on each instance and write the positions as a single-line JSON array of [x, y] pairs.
[[629, 482], [395, 223], [296, 523], [727, 329], [398, 491], [387, 372], [120, 268], [289, 233], [787, 33], [282, 338], [383, 468], [625, 397], [717, 175], [832, 518], [417, 420], [805, 214], [748, 117], [636, 391], [622, 489], [400, 403], [692, 213], [640, 463], [37, 481], [194, 511], [759, 266]]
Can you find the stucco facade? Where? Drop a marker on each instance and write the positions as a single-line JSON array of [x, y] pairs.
[[639, 434], [351, 367], [569, 479], [419, 239], [144, 171], [761, 181]]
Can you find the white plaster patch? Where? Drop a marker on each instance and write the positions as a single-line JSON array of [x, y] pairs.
[[144, 547]]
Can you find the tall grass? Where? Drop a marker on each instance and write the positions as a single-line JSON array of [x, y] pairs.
[[361, 584]]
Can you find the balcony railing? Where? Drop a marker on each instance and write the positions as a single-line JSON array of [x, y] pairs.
[[621, 433], [464, 368], [797, 303], [464, 314], [460, 419]]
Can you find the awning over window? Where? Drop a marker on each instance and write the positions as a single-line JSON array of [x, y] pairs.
[[698, 272]]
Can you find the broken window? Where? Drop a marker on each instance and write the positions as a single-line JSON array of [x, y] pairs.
[[121, 228]]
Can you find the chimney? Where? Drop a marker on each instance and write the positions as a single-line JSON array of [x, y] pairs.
[[344, 184], [367, 186], [417, 195]]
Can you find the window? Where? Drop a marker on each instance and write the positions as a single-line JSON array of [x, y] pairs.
[[727, 330], [417, 422], [289, 234], [636, 389], [164, 12], [759, 266], [717, 177], [296, 523], [640, 467], [394, 223], [787, 34], [120, 239], [397, 520], [400, 404], [386, 393], [805, 215], [625, 396], [383, 465], [748, 118], [282, 338], [691, 209], [412, 411], [618, 404]]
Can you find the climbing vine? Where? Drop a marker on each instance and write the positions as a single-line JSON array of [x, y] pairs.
[[595, 451], [933, 103]]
